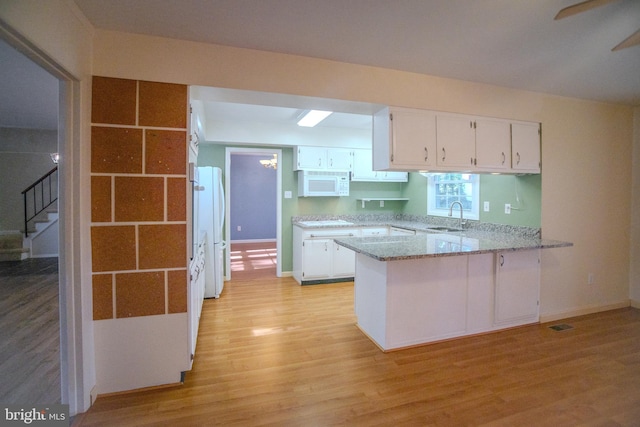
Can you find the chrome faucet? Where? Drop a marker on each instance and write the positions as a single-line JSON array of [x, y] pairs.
[[461, 221]]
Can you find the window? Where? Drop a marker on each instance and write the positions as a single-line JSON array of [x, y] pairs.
[[445, 188]]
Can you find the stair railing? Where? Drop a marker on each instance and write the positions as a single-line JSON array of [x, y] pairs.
[[39, 196]]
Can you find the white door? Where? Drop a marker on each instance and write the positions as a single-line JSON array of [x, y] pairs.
[[493, 144], [339, 159], [311, 158], [344, 261], [413, 138], [517, 287], [525, 147], [455, 138], [316, 259]]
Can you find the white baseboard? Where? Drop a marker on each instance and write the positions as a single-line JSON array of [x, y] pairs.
[[286, 274], [552, 317], [254, 241]]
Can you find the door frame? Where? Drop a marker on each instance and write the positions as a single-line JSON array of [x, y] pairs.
[[227, 191], [76, 335]]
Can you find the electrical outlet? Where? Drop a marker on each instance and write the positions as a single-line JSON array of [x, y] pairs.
[[507, 208], [382, 203], [486, 206], [239, 228], [590, 279]]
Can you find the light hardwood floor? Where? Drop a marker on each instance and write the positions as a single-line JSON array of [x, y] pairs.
[[253, 260], [29, 332], [273, 353]]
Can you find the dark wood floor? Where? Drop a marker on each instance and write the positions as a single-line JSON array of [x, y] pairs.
[[273, 353], [29, 332]]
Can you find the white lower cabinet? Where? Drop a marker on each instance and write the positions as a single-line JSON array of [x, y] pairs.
[[517, 287], [343, 261], [410, 302], [480, 293], [316, 257]]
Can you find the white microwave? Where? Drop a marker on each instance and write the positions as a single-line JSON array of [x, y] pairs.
[[322, 183]]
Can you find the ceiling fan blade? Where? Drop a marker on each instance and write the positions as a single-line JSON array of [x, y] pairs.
[[581, 7], [632, 40]]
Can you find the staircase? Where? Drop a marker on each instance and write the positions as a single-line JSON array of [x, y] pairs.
[[41, 231], [42, 240]]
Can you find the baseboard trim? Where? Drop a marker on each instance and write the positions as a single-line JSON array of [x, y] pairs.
[[634, 303], [254, 241], [544, 318]]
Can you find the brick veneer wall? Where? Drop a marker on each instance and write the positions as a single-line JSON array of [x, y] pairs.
[[138, 198]]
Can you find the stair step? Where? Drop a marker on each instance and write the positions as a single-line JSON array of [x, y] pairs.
[[15, 254], [10, 239]]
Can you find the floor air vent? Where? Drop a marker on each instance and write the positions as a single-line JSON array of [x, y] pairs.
[[561, 327]]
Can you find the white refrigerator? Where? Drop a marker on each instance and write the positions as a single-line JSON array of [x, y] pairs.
[[211, 211]]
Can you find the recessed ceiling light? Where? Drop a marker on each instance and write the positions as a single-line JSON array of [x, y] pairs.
[[313, 117]]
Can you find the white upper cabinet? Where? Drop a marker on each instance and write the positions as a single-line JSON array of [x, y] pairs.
[[363, 169], [363, 166], [404, 139], [493, 145], [339, 159], [525, 147], [310, 158], [456, 142], [322, 158]]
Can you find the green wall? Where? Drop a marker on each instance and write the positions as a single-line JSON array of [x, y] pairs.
[[214, 155], [522, 192]]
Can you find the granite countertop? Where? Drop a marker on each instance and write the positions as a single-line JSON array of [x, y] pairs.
[[392, 248], [476, 238]]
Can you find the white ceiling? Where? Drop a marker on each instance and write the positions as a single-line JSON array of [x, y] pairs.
[[511, 43]]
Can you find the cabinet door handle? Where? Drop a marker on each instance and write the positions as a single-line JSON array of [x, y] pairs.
[[501, 260], [319, 161], [444, 154], [518, 157], [426, 154], [504, 158]]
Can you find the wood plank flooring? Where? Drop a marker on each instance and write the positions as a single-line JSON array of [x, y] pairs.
[[29, 332], [273, 353], [253, 260]]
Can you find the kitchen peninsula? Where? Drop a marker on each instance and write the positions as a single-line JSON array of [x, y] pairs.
[[412, 290]]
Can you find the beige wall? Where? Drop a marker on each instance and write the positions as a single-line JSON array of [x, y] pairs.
[[586, 147], [634, 279]]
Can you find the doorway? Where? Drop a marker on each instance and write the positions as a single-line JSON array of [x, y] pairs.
[[263, 252], [29, 126]]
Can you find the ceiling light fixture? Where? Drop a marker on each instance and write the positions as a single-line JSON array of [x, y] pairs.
[[313, 117], [270, 163]]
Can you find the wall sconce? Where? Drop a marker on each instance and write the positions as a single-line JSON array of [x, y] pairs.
[[55, 157]]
